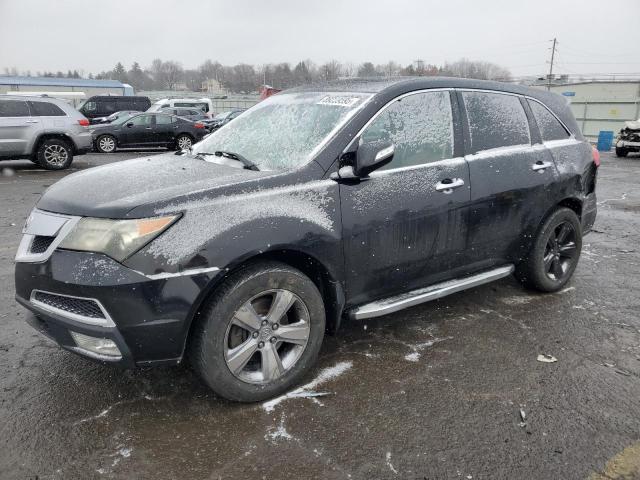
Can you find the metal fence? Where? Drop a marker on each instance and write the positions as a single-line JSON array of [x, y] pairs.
[[605, 115]]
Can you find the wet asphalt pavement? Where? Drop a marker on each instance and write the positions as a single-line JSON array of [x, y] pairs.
[[434, 392]]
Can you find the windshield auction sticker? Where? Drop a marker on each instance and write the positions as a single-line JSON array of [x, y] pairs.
[[339, 101]]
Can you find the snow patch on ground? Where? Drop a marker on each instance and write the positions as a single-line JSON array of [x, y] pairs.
[[280, 432], [306, 391], [417, 348], [389, 464]]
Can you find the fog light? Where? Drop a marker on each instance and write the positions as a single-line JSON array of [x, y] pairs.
[[102, 347]]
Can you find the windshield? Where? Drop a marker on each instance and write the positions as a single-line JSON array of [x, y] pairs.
[[222, 116], [285, 130], [122, 119]]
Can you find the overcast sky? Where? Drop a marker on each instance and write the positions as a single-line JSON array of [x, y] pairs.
[[594, 36]]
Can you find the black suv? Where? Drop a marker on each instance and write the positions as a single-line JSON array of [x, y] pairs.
[[351, 199]]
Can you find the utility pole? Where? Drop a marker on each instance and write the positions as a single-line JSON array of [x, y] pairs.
[[553, 52]]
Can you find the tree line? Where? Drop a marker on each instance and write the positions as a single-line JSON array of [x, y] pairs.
[[171, 75]]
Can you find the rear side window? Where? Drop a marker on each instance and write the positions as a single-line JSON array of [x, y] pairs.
[[420, 127], [44, 109], [550, 127], [13, 108], [107, 107], [495, 120]]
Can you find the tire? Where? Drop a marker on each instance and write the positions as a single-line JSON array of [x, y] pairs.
[[54, 154], [621, 152], [555, 253], [106, 144], [183, 141], [229, 335]]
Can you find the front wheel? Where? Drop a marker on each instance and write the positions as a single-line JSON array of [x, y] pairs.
[[554, 255], [259, 334]]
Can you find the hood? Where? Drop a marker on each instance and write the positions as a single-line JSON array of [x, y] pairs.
[[112, 191]]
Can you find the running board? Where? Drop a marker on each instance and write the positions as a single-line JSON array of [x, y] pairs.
[[433, 292]]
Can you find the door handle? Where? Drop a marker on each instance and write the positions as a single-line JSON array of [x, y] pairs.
[[448, 185], [540, 166], [31, 121]]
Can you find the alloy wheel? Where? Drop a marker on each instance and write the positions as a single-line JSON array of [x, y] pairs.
[[56, 155], [560, 251], [266, 336], [184, 142], [107, 144]]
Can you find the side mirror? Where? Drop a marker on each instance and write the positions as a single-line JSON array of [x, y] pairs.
[[129, 124], [371, 156]]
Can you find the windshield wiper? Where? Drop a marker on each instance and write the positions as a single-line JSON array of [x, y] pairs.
[[248, 164]]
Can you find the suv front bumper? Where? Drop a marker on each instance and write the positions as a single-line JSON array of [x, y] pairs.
[[146, 317]]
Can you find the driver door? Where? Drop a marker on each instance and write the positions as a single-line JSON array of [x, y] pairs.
[[139, 131], [402, 227]]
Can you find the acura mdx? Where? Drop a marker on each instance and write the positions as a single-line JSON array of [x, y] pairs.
[[345, 200]]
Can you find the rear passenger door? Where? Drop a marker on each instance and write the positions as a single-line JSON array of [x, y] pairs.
[[511, 178], [18, 129], [402, 228], [165, 128]]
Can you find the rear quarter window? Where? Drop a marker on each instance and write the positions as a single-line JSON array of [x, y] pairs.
[[495, 120], [44, 109], [550, 127]]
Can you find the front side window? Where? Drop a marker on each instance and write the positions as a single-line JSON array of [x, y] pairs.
[[13, 108], [285, 130], [550, 127], [495, 120], [142, 120], [163, 119], [420, 126], [89, 107], [44, 109]]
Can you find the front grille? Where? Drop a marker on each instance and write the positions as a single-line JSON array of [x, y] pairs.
[[40, 243], [78, 306]]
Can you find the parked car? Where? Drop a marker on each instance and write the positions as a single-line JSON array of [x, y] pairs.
[[45, 130], [356, 199], [193, 114], [105, 105], [223, 118], [114, 116], [628, 139], [203, 104], [148, 130]]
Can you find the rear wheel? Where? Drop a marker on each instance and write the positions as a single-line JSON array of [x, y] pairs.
[[555, 253], [183, 141], [259, 334], [621, 152], [54, 154], [106, 144]]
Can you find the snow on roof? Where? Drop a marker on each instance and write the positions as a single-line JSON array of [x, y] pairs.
[[58, 81]]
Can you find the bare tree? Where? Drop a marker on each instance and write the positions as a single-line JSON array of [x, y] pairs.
[[476, 69]]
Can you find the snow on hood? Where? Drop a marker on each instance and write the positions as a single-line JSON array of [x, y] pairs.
[[113, 190]]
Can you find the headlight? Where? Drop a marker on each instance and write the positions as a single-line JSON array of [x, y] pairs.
[[116, 238]]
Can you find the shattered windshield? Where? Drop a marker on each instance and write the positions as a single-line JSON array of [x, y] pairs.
[[285, 130]]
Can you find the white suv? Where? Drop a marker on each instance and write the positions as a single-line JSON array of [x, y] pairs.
[[45, 130], [203, 104]]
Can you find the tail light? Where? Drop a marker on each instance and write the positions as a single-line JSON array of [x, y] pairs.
[[84, 122], [198, 125], [596, 156]]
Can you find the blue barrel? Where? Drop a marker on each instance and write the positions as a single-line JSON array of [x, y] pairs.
[[605, 140]]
